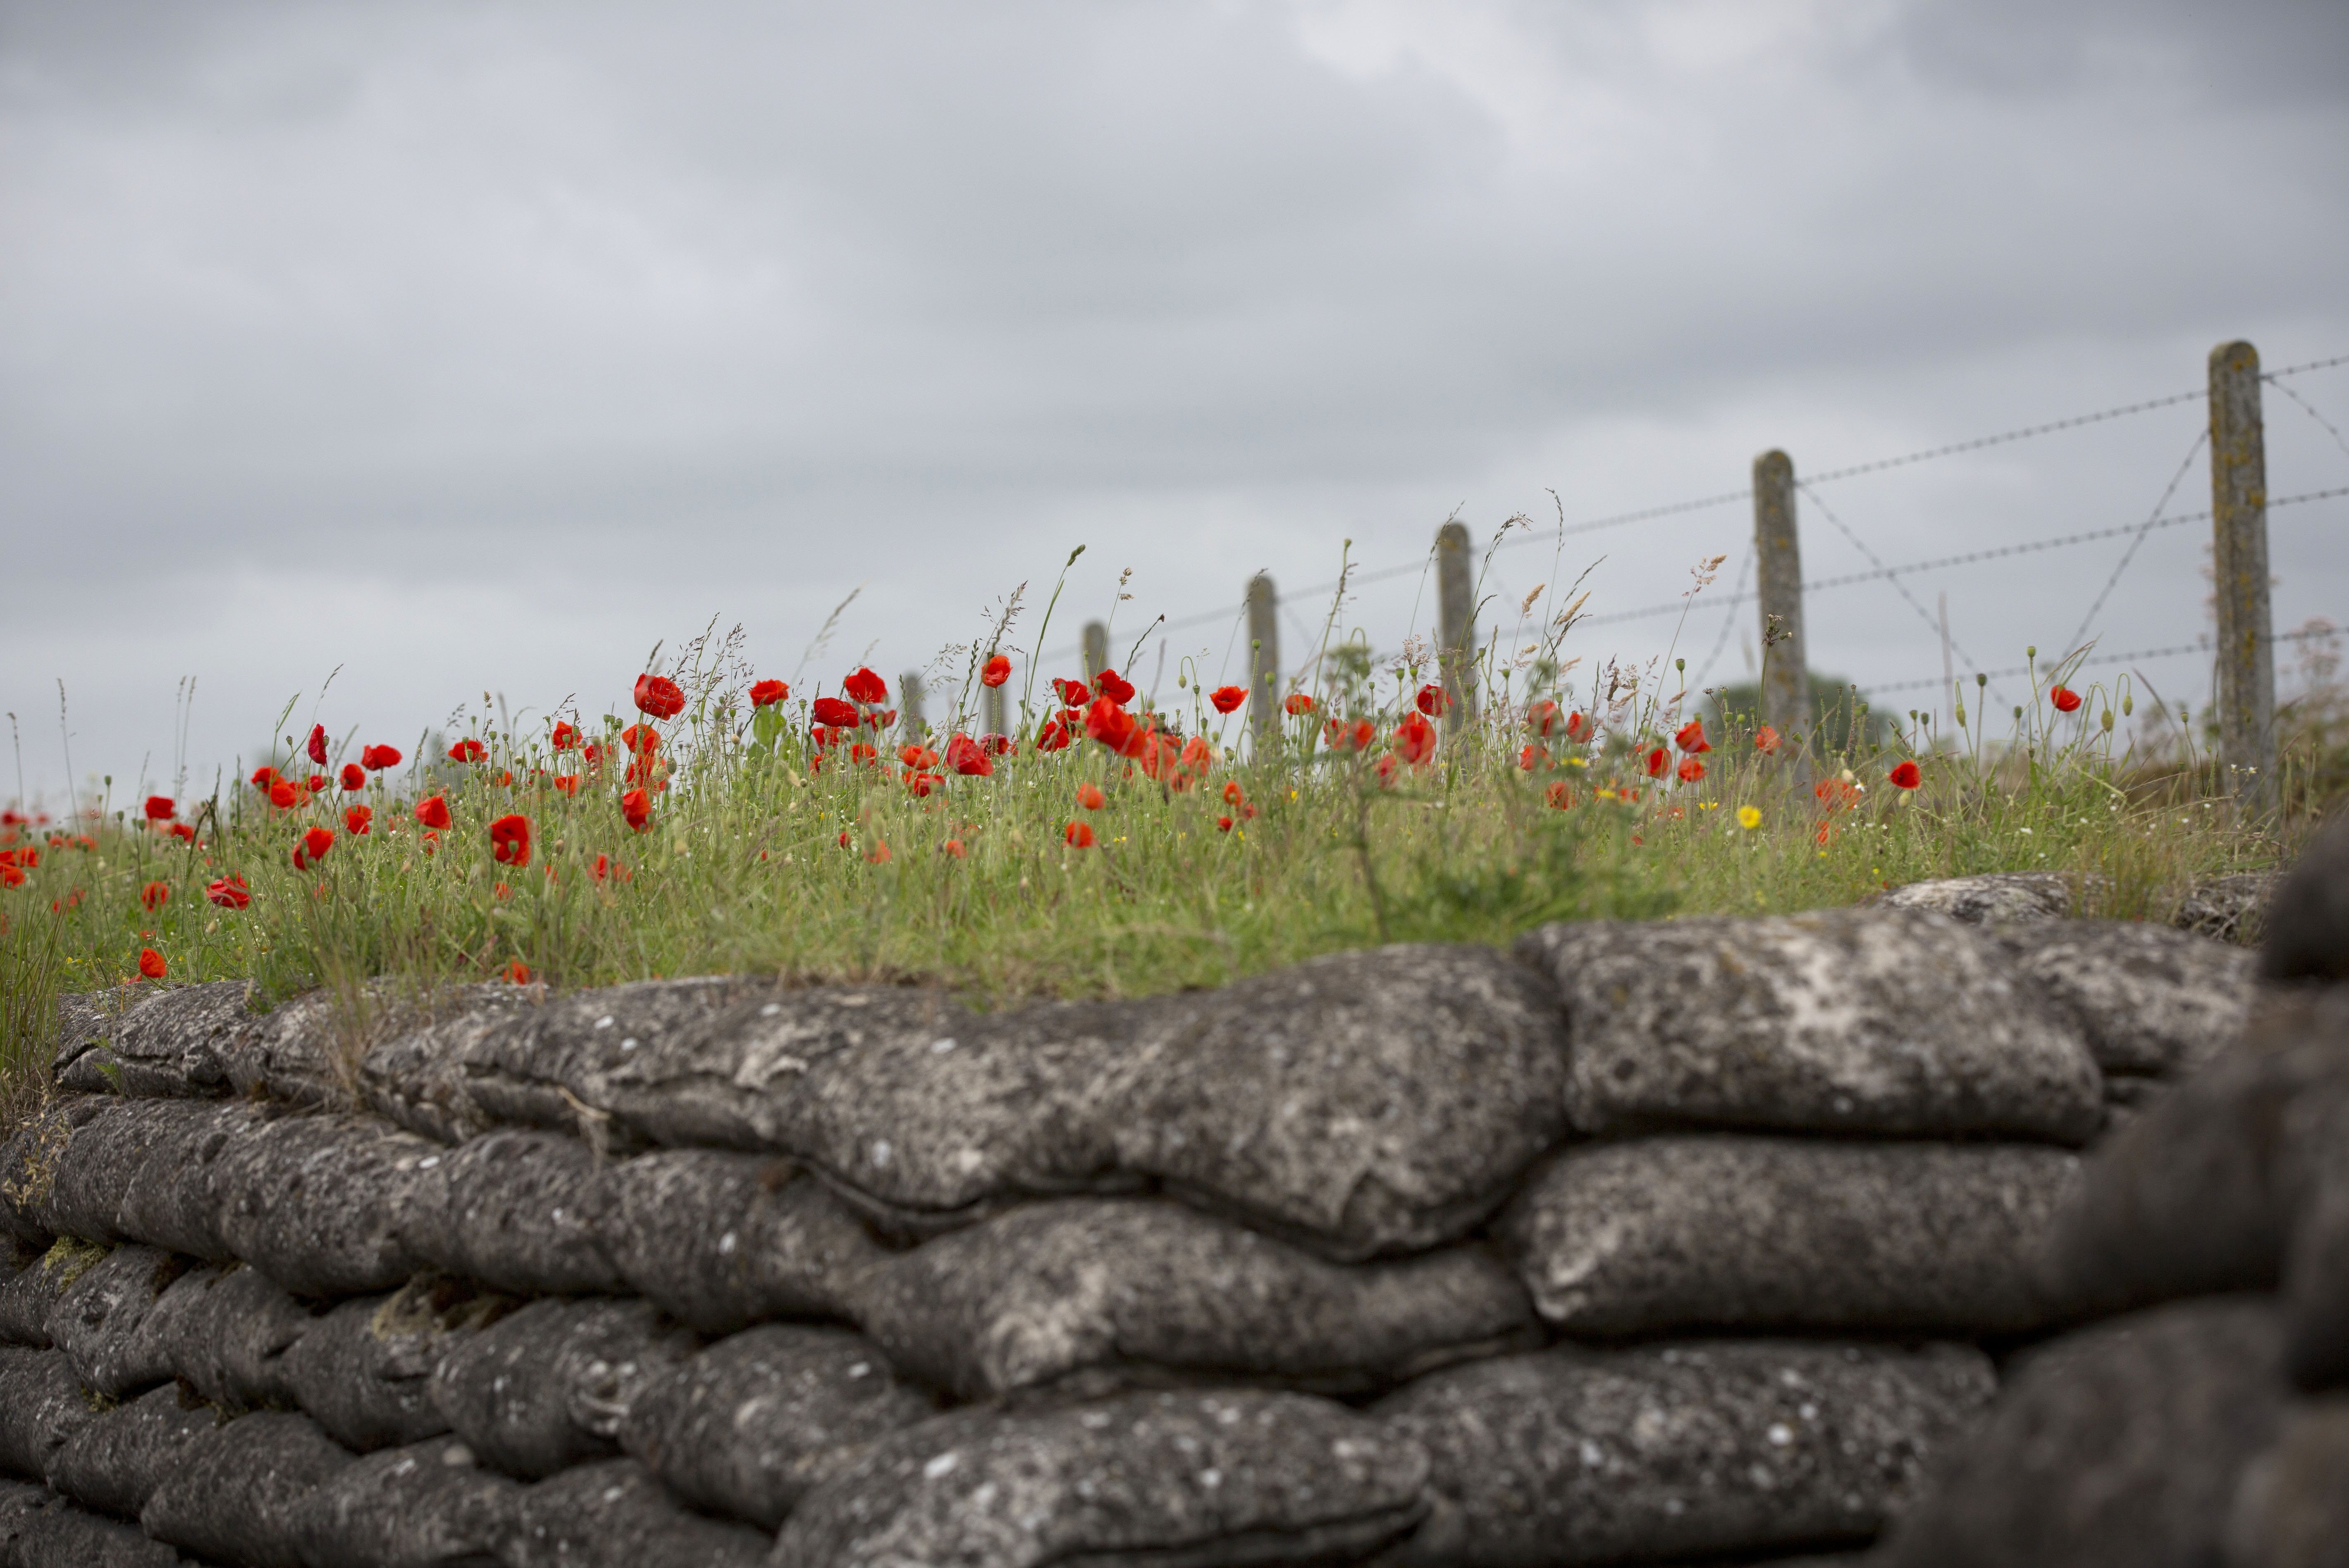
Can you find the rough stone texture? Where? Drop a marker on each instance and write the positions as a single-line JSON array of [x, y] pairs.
[[1998, 898], [2121, 1445], [115, 1464], [153, 1042], [2230, 908], [364, 1370], [2148, 999], [2308, 928], [1572, 1455], [1843, 1021], [1112, 1285], [91, 1169], [19, 1232], [424, 1506], [747, 1426], [28, 1163], [416, 1075], [320, 1203], [39, 1529], [43, 1406], [550, 1386], [227, 1330], [1172, 1480], [2291, 1506], [520, 1210], [722, 1241], [232, 1497], [1773, 1232], [2316, 1280], [170, 1202], [616, 1514], [96, 1321], [28, 1298]]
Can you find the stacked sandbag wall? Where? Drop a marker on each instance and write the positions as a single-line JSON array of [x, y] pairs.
[[1681, 1241]]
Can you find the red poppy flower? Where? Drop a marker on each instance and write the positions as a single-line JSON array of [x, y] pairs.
[[358, 821], [283, 793], [1836, 794], [376, 758], [601, 867], [1765, 741], [1906, 775], [995, 745], [1297, 703], [1053, 736], [1111, 725], [1223, 824], [1658, 760], [879, 853], [969, 757], [468, 750], [567, 783], [660, 696], [354, 776], [510, 840], [1227, 699], [636, 809], [1431, 700], [317, 745], [995, 672], [153, 894], [316, 783], [954, 848], [1542, 718], [567, 735], [1558, 795], [518, 973], [1073, 694], [433, 811], [2066, 699], [918, 757], [318, 840], [1089, 797], [834, 713], [1578, 727], [1690, 739], [228, 893], [263, 778], [182, 832], [151, 965], [9, 875], [857, 753], [160, 809], [1109, 684], [863, 686], [1690, 770], [1414, 739], [1531, 757], [1079, 835]]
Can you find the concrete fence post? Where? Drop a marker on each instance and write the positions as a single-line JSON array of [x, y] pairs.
[[1096, 649], [1778, 573], [994, 707], [1455, 598], [1264, 658], [909, 707], [2239, 512]]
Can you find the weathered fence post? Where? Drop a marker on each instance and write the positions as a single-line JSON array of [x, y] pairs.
[[2239, 512], [996, 707], [1096, 648], [1778, 573], [1264, 658], [1455, 598], [912, 726]]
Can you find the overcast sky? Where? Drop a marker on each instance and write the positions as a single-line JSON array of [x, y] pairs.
[[476, 346]]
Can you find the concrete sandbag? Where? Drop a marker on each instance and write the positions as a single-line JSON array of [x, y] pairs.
[[1170, 1479], [364, 1370], [227, 1330], [426, 1505], [549, 1385], [745, 1427], [322, 1204], [115, 1464], [1704, 1448], [20, 1164], [616, 1514], [520, 1210], [232, 1497], [42, 1406], [154, 1041], [1729, 1231], [2307, 935], [94, 1167], [32, 1293], [96, 1321], [47, 1532], [2291, 1506], [2121, 1445], [721, 1241], [169, 1203], [2147, 998], [30, 1159], [2316, 1280], [1112, 1286], [1861, 1021], [415, 1075]]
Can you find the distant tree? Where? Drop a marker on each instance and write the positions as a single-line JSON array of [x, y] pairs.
[[1840, 716]]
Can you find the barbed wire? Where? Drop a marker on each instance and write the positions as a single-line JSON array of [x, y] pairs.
[[2304, 367], [2204, 645], [2129, 554], [2310, 410]]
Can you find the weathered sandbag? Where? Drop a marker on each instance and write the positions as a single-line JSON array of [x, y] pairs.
[[233, 1494], [745, 1427], [364, 1370], [1105, 1285], [1995, 898], [415, 1075], [721, 1241], [227, 1329], [19, 1501], [1729, 1230], [2316, 1280], [20, 1161], [115, 1464], [39, 1529], [549, 1385], [2147, 998], [321, 1204], [616, 1514], [427, 1505], [1843, 1021], [2291, 1506], [42, 1406], [1169, 1480], [93, 1168], [169, 1203], [520, 1210], [32, 1293], [2121, 1445], [153, 1042], [2307, 936], [96, 1321], [1707, 1447], [29, 1162]]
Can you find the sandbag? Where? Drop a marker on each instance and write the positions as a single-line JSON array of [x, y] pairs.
[[155, 1041], [169, 1203], [1706, 1447], [1854, 1021], [364, 1370], [616, 1514], [2307, 936], [2316, 1280], [2121, 1445], [93, 1168], [2147, 998], [549, 1385], [232, 1496], [427, 1505], [47, 1532], [745, 1427], [721, 1241], [30, 1160], [2291, 1508], [415, 1075], [1170, 1479], [1107, 1285], [228, 1331], [322, 1204], [42, 1406], [519, 1210], [97, 1320], [32, 1293], [1730, 1231], [115, 1464]]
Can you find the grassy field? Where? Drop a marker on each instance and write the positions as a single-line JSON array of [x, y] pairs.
[[818, 842]]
